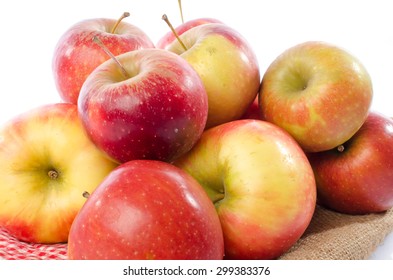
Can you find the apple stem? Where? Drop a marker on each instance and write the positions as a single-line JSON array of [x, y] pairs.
[[53, 174], [86, 194], [123, 16], [341, 148], [181, 11], [108, 52], [165, 18]]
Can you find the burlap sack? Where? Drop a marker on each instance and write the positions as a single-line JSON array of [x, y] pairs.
[[335, 236]]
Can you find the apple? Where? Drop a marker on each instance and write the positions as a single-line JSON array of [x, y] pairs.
[[169, 37], [253, 111], [227, 65], [76, 55], [46, 163], [261, 183], [147, 209], [356, 177], [318, 92], [158, 111]]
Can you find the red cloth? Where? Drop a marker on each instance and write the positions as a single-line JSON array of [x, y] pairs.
[[13, 249]]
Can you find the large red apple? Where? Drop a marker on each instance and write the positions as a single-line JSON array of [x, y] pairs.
[[147, 210], [227, 65], [76, 55], [318, 92], [357, 177], [261, 183], [158, 112], [46, 163]]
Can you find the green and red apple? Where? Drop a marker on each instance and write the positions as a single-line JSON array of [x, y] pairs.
[[147, 209], [318, 92], [261, 183], [46, 163]]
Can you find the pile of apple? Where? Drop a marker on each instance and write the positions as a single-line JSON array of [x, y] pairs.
[[153, 153]]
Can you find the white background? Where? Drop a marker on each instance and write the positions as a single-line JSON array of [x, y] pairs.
[[31, 29]]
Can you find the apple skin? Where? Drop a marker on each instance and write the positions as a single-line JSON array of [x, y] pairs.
[[318, 92], [359, 179], [147, 209], [261, 183], [169, 37], [253, 111], [159, 113], [227, 65], [46, 163], [76, 55]]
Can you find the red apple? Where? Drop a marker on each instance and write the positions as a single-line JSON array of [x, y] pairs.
[[227, 65], [76, 55], [261, 183], [357, 177], [159, 112], [169, 37], [147, 210], [46, 163], [253, 111], [318, 92]]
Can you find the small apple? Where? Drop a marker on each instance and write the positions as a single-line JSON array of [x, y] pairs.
[[76, 55], [357, 177], [157, 111], [318, 92], [227, 66], [169, 37], [261, 183], [46, 163], [147, 209]]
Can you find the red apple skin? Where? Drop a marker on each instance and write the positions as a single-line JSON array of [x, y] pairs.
[[76, 55], [253, 111], [158, 113], [147, 209], [358, 180], [261, 183], [169, 37], [318, 92]]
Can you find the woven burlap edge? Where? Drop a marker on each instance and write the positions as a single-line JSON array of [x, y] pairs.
[[336, 236]]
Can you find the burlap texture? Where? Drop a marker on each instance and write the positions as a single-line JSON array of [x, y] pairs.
[[335, 236]]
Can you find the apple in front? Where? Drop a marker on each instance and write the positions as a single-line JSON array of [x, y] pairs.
[[261, 183], [169, 37], [76, 55], [318, 92], [227, 65], [147, 209], [158, 112], [357, 177], [46, 163]]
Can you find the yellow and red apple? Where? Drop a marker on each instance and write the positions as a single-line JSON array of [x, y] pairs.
[[318, 92], [227, 65], [261, 183], [46, 163]]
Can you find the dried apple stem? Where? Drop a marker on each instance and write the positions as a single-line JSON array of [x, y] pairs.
[[123, 16], [165, 18], [181, 11], [108, 52], [341, 148], [86, 194], [53, 174]]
